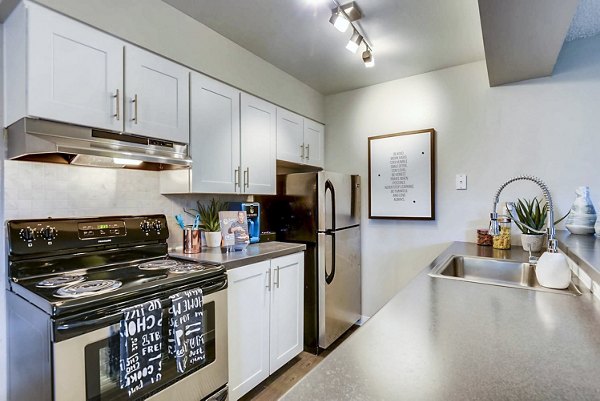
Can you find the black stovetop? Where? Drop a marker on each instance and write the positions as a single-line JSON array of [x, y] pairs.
[[135, 283], [105, 248]]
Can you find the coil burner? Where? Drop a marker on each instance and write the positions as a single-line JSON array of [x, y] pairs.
[[60, 281], [93, 287], [161, 264]]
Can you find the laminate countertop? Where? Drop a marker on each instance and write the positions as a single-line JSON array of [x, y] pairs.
[[252, 254], [441, 339], [583, 249]]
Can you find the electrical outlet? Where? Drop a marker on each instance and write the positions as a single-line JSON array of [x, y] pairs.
[[461, 181]]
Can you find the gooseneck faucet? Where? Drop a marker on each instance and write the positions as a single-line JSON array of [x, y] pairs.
[[494, 226]]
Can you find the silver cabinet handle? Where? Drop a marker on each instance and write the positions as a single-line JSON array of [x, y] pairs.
[[247, 177], [302, 151], [117, 114], [135, 102], [308, 152], [276, 282], [236, 179], [268, 279]]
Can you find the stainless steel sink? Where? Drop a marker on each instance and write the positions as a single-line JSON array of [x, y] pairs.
[[506, 273]]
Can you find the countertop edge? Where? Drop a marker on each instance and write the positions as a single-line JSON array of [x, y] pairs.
[[579, 248], [254, 253]]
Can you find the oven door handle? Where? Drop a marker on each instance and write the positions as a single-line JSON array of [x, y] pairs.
[[73, 327]]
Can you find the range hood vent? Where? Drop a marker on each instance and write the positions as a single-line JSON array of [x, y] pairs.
[[49, 141]]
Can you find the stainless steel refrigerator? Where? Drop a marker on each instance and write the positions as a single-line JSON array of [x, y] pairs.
[[322, 210]]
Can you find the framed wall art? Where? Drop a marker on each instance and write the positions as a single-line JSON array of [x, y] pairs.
[[402, 175]]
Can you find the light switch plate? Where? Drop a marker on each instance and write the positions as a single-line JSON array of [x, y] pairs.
[[461, 181]]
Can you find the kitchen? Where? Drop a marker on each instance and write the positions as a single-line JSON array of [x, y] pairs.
[[542, 126]]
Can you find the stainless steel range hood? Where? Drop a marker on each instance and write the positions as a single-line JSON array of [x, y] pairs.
[[49, 141]]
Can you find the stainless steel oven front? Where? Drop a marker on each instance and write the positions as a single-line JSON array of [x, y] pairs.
[[86, 366]]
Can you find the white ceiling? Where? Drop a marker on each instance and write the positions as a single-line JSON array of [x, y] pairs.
[[586, 21], [409, 37]]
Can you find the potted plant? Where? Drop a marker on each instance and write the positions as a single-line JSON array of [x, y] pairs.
[[531, 218], [209, 220]]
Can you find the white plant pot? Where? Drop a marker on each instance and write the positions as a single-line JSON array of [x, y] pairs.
[[213, 239], [552, 271], [535, 241]]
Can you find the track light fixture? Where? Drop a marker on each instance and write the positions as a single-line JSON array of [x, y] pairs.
[[368, 58], [343, 16], [339, 20], [354, 41]]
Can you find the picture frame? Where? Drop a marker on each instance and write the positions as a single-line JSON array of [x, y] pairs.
[[234, 229], [402, 175]]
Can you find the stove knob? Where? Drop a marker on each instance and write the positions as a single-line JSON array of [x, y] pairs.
[[145, 226], [49, 233], [157, 225], [27, 234]]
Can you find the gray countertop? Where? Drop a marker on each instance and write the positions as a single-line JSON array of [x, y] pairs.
[[440, 339], [583, 249], [252, 254]]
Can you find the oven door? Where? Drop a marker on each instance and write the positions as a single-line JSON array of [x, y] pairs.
[[86, 366]]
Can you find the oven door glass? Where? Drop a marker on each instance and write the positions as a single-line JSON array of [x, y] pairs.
[[102, 363]]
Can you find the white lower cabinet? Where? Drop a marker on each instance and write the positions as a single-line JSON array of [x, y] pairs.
[[265, 319]]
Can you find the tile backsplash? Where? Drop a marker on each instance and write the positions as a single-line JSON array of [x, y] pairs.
[[41, 190]]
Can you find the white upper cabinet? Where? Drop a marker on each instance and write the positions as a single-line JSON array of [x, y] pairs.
[[259, 142], [214, 135], [71, 73], [156, 96], [233, 140], [290, 136], [59, 69], [300, 140], [314, 143]]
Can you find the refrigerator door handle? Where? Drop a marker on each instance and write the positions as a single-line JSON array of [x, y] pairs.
[[329, 187], [329, 276]]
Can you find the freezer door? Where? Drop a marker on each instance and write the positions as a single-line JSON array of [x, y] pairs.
[[339, 200], [339, 283]]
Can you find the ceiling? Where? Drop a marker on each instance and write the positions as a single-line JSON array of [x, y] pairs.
[[409, 37], [586, 21]]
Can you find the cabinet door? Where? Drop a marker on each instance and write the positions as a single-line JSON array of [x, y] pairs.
[[156, 96], [314, 143], [74, 72], [290, 136], [287, 309], [214, 135], [248, 327], [259, 142]]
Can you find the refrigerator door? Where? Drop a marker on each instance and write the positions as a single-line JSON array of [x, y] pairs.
[[339, 283], [339, 200]]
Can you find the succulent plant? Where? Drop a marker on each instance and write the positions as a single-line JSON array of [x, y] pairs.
[[533, 214], [209, 214]]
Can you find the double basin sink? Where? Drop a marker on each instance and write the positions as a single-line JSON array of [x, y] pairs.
[[505, 273]]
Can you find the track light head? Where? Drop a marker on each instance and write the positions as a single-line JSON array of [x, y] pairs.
[[354, 42], [368, 58], [339, 20]]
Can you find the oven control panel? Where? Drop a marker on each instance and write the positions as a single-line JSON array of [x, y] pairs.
[[49, 235], [101, 229]]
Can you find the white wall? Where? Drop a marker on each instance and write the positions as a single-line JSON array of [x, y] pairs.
[[157, 26], [547, 127]]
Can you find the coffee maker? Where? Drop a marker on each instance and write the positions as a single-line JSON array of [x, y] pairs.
[[252, 210]]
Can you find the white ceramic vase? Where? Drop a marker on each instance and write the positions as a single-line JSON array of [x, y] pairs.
[[213, 239], [552, 271], [533, 242], [582, 218]]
